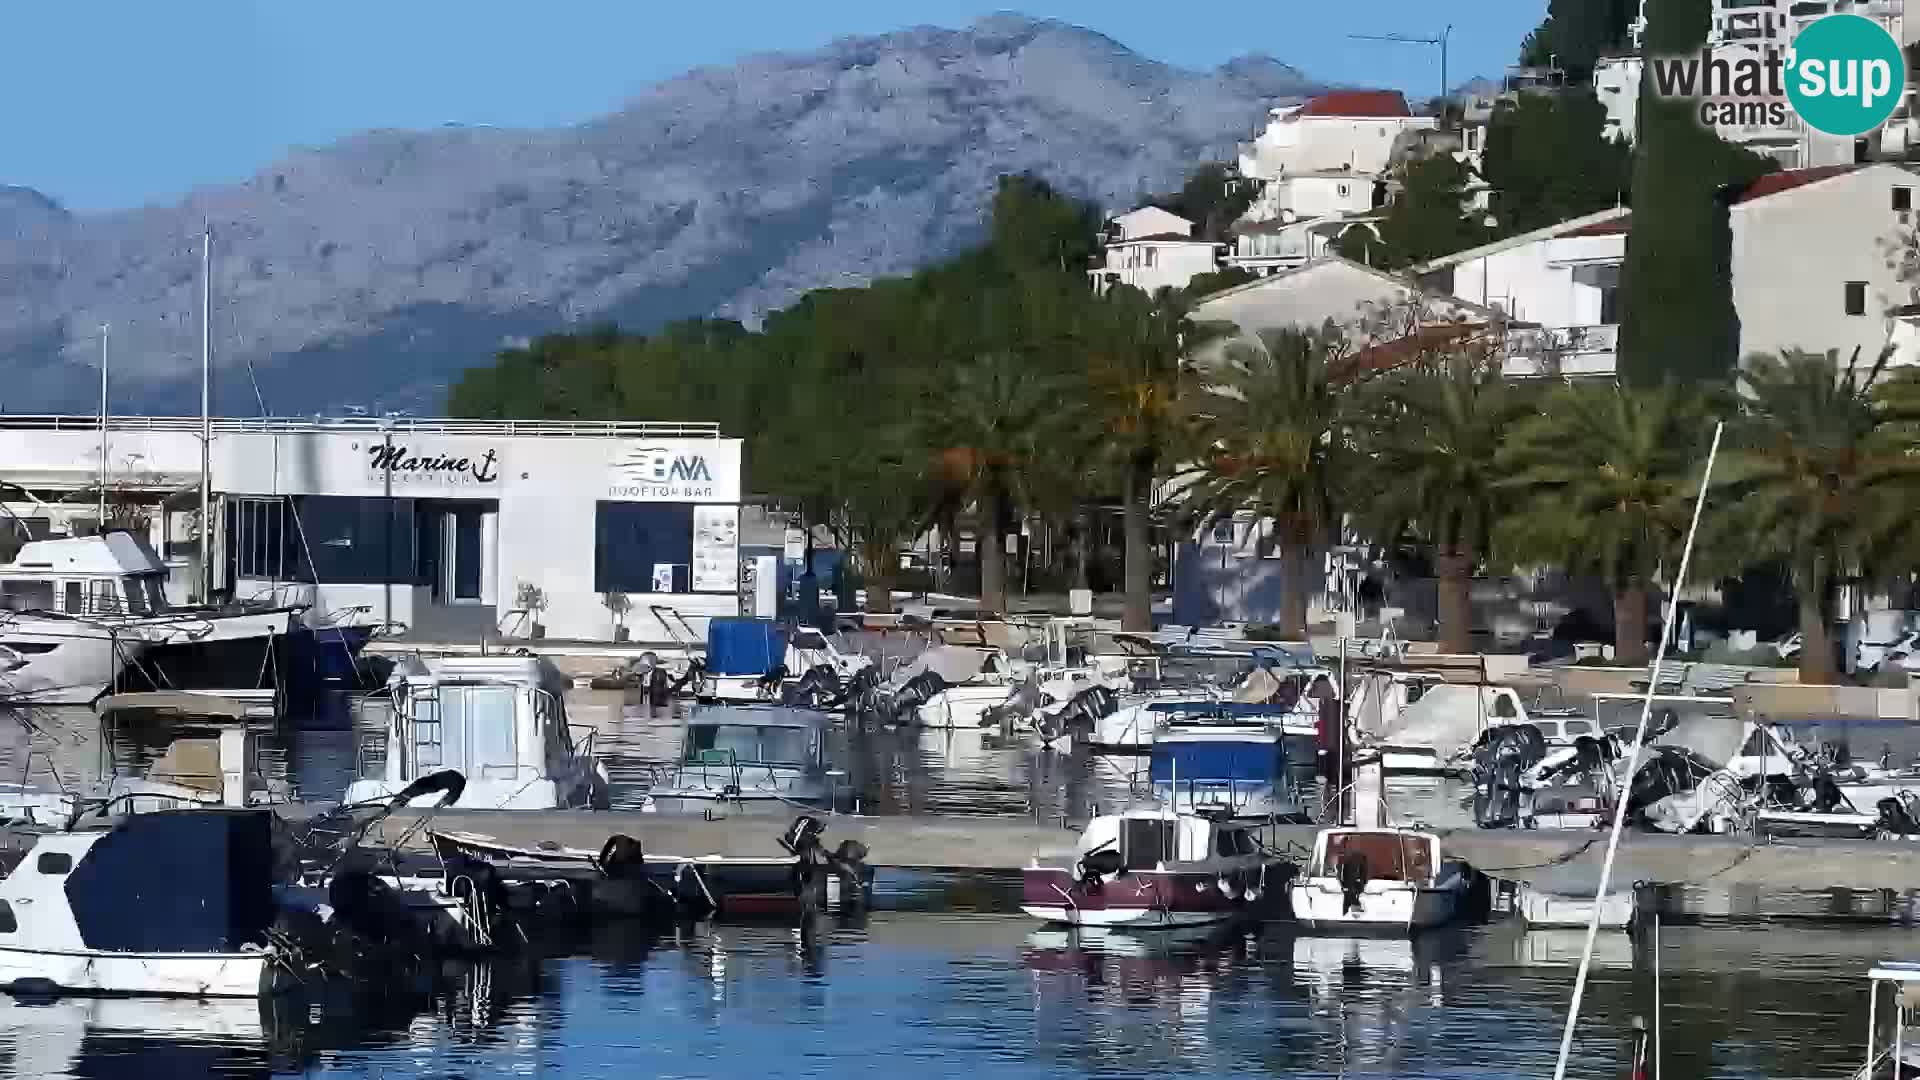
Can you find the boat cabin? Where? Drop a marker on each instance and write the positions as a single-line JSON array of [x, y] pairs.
[[114, 573], [1152, 839], [1240, 770], [1385, 854], [501, 721], [759, 736]]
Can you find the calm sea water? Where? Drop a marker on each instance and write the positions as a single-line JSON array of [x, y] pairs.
[[992, 997]]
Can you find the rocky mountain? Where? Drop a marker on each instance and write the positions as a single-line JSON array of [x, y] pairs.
[[371, 271]]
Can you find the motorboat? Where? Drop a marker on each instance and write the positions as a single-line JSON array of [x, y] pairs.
[[1238, 771], [177, 903], [499, 720], [1380, 879], [1563, 898], [752, 660], [748, 757], [1155, 869], [80, 616], [1520, 780], [1888, 1052], [622, 879]]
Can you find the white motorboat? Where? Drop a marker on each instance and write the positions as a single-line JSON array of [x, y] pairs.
[[748, 757], [501, 721], [1239, 771], [1379, 879], [1154, 870], [177, 903], [1563, 899], [82, 615]]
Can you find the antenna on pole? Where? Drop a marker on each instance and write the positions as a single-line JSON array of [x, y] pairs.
[[1409, 39]]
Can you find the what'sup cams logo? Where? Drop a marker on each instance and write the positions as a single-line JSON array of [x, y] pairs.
[[1843, 76]]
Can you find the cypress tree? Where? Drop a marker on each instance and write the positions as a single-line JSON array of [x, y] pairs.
[[1676, 293]]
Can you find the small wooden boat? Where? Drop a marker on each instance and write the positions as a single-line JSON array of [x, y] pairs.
[[1378, 879], [1154, 869]]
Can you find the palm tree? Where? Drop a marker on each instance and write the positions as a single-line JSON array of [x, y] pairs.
[[1433, 434], [1606, 479], [1268, 425], [1822, 478], [989, 420], [1135, 351]]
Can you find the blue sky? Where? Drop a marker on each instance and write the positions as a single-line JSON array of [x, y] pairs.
[[113, 103]]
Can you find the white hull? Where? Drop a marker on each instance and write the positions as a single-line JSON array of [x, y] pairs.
[[167, 974], [571, 792], [1132, 728], [74, 672], [1125, 918], [1555, 911], [1318, 904], [961, 706]]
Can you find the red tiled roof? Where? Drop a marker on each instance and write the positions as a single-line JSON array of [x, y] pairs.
[[1423, 343], [1774, 183], [1609, 227], [1787, 179], [1358, 103]]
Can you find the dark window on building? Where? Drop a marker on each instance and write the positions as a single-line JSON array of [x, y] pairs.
[[8, 924], [1856, 298], [631, 539], [54, 862], [1903, 198], [351, 540], [73, 605], [1610, 305], [257, 536]]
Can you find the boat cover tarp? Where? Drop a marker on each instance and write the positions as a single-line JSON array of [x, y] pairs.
[[953, 663], [744, 646], [1215, 760], [177, 881], [1714, 738], [1446, 718]]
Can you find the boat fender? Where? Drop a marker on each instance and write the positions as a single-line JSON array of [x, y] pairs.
[[622, 858], [1353, 881]]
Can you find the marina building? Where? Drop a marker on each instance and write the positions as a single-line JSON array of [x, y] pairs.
[[455, 529]]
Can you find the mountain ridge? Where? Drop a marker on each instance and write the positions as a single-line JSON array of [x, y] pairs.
[[370, 271]]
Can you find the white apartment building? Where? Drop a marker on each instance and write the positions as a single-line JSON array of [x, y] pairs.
[[1812, 266], [1265, 247], [1346, 136], [1151, 249], [1746, 28]]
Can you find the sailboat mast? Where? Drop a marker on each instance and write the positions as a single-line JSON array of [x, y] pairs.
[[206, 414], [103, 428]]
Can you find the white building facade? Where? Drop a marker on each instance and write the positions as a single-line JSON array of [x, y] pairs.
[[1816, 257], [457, 529], [1152, 249]]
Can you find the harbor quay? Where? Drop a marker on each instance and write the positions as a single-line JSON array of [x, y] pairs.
[[964, 843]]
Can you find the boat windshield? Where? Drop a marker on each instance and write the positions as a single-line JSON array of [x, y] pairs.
[[710, 744]]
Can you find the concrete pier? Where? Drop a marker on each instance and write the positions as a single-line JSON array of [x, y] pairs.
[[988, 844]]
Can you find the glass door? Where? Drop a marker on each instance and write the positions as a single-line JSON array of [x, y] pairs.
[[461, 555]]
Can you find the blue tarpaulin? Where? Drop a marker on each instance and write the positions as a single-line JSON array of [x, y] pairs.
[[1205, 762], [744, 646]]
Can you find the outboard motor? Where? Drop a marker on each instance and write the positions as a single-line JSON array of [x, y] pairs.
[[768, 685], [1894, 819], [1827, 796], [816, 686], [622, 858], [919, 690], [1353, 881], [1097, 864]]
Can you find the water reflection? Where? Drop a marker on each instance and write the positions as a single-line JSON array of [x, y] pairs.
[[993, 997]]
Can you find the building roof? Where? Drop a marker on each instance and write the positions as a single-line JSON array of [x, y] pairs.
[[1788, 179], [1389, 355], [1359, 103], [1570, 227], [1159, 238], [1211, 306]]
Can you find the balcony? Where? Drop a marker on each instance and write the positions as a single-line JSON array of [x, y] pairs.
[[1567, 352]]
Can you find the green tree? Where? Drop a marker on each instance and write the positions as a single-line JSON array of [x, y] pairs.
[[1269, 434], [1547, 161], [1676, 287], [989, 421], [1822, 476], [1433, 435], [1213, 198], [1575, 33], [1429, 217], [1605, 479], [1035, 226]]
